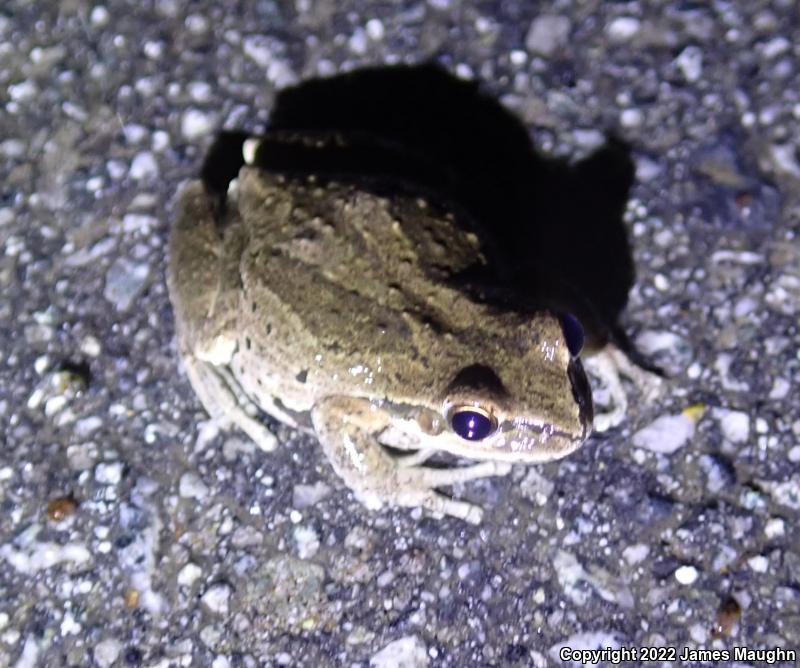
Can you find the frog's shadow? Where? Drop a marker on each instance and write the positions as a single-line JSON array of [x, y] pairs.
[[553, 231]]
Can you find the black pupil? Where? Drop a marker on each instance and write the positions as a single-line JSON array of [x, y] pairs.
[[573, 333], [471, 425]]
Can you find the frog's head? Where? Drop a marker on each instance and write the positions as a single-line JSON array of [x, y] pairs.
[[527, 402]]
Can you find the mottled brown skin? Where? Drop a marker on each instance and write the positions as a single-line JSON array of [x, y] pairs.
[[329, 308]]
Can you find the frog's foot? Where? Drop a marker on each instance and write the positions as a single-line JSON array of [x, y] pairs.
[[225, 402], [609, 365], [346, 428], [416, 487]]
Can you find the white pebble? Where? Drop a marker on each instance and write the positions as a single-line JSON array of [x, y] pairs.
[[106, 651], [635, 554], [588, 138], [375, 30], [358, 42], [153, 50], [759, 563], [735, 425], [464, 72], [518, 57], [665, 434], [199, 91], [196, 124], [160, 141], [196, 24], [304, 496], [13, 148], [191, 486], [144, 166], [780, 389], [99, 16], [631, 118], [690, 63], [307, 541], [548, 33], [188, 575], [217, 598], [91, 346], [686, 575], [784, 159], [22, 91], [776, 47], [408, 652], [69, 626], [124, 282], [774, 528], [622, 28], [108, 473]]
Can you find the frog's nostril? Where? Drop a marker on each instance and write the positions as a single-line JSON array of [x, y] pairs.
[[472, 424]]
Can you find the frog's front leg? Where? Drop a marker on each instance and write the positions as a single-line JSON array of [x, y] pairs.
[[609, 365], [347, 428]]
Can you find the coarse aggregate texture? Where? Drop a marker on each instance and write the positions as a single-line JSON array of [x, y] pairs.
[[134, 534]]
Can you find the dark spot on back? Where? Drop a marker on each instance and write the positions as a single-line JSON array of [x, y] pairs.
[[302, 376]]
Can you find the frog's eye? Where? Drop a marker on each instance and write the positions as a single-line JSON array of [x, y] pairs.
[[573, 333], [472, 423]]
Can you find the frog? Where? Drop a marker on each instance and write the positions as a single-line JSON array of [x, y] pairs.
[[329, 306]]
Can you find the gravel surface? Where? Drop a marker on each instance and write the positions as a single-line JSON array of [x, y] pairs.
[[135, 534]]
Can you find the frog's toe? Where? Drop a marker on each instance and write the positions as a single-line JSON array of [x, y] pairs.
[[423, 476], [262, 436], [440, 505]]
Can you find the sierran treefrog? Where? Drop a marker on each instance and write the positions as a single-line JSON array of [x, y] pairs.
[[329, 307]]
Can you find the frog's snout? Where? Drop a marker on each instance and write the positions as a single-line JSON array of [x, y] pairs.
[[581, 392]]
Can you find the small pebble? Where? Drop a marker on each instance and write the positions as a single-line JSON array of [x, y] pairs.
[[191, 486], [189, 574], [735, 425], [548, 33], [307, 541], [665, 434], [375, 30], [690, 63], [196, 123], [686, 575], [105, 652], [622, 28], [99, 16], [124, 281], [217, 598], [408, 652], [108, 473]]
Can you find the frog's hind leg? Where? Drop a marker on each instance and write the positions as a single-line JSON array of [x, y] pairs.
[[225, 401], [347, 429]]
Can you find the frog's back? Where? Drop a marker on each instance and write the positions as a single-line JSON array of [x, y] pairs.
[[345, 282]]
